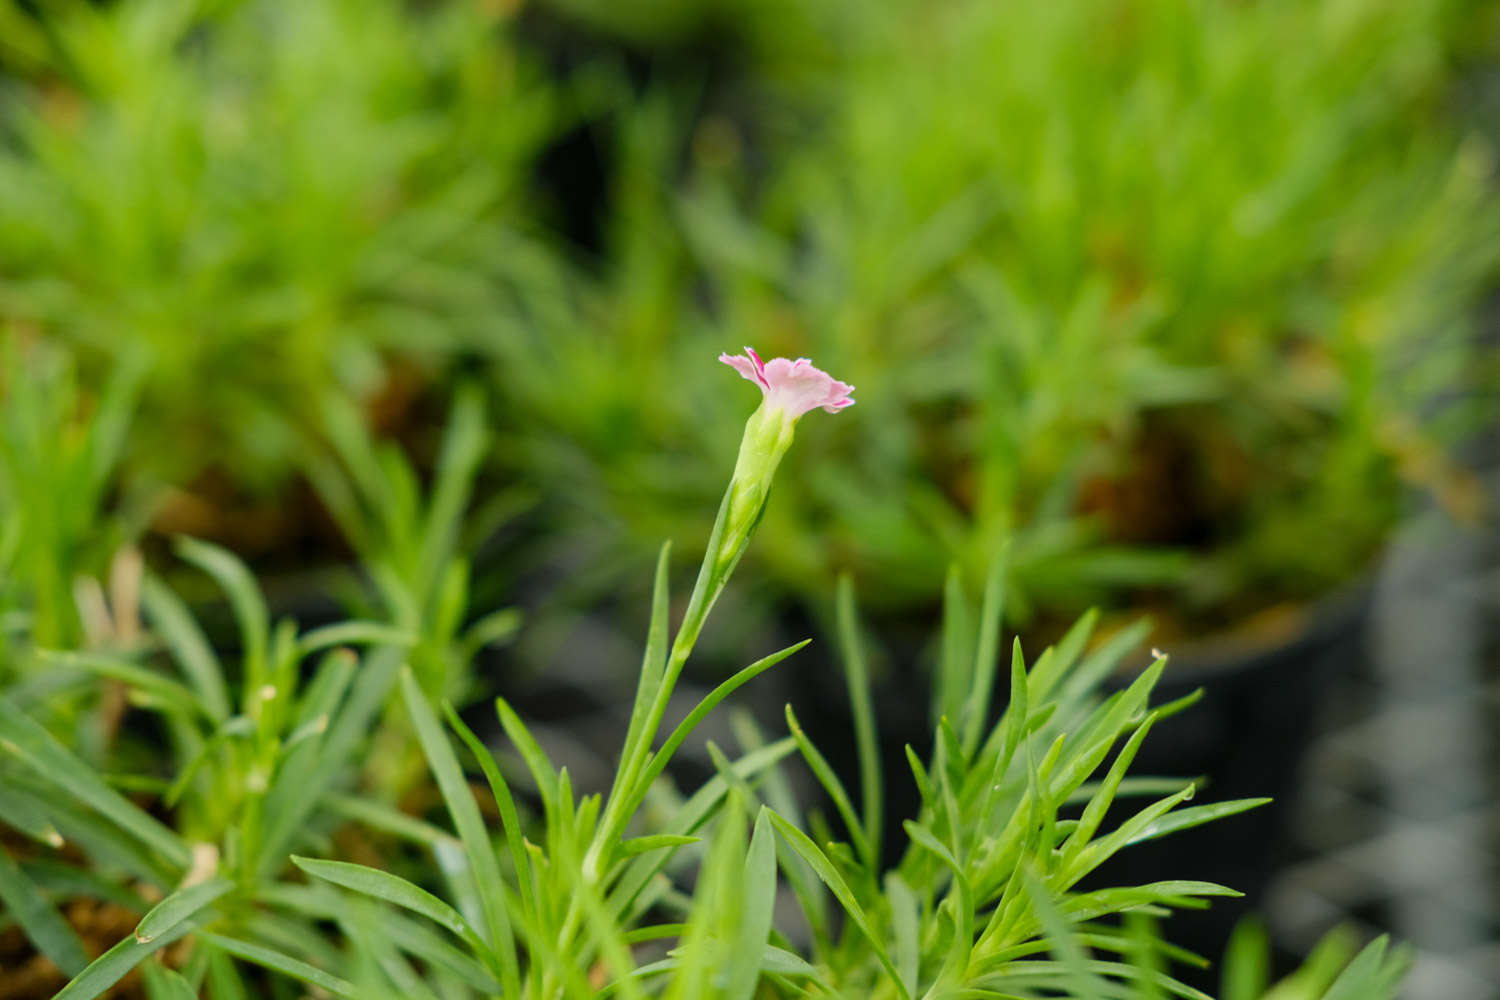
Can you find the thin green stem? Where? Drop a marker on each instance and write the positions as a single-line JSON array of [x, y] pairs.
[[713, 573]]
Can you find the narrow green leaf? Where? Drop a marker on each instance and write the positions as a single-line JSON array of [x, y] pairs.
[[500, 789], [961, 901], [330, 682], [607, 932], [1103, 661], [1130, 788], [776, 961], [494, 629], [163, 983], [689, 817], [305, 776], [1247, 962], [22, 815], [39, 919], [163, 691], [1184, 819], [244, 596], [1094, 740], [1096, 853], [835, 789], [537, 762], [1094, 812], [94, 835], [904, 927], [57, 766], [458, 461], [654, 842], [776, 791], [655, 932], [825, 870], [715, 909], [180, 906], [436, 950], [862, 703], [1082, 981], [353, 634], [1371, 976], [176, 627], [224, 982], [976, 708], [1182, 892], [465, 813], [392, 889], [702, 709], [284, 964], [956, 659], [653, 665], [110, 967], [919, 777], [758, 900], [63, 880], [1006, 737], [237, 725]]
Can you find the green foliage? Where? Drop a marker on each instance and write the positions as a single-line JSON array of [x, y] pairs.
[[412, 542], [638, 892], [261, 204], [60, 448], [1162, 310], [984, 902], [1136, 292], [252, 752]]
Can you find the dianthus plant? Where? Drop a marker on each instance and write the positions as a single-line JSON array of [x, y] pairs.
[[987, 900]]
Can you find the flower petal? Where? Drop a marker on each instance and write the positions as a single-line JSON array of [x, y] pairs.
[[794, 387], [749, 369]]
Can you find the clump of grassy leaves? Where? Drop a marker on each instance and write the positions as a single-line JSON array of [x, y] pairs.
[[256, 755], [62, 511], [730, 892], [284, 201], [1159, 311]]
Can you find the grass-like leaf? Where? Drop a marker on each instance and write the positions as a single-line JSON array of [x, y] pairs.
[[308, 773], [39, 919], [282, 963], [353, 634], [180, 906], [1373, 975], [22, 815], [465, 813], [825, 870], [689, 817], [862, 703], [835, 789], [163, 691], [709, 702], [509, 818], [392, 889], [976, 707], [163, 983], [653, 842], [177, 628], [110, 967], [758, 900], [57, 766], [906, 929], [244, 597]]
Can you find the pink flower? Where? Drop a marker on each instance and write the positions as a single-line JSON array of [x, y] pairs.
[[792, 386]]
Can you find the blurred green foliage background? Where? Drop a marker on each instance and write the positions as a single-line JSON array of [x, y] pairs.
[[1181, 298]]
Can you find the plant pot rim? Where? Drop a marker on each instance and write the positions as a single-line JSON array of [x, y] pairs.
[[1286, 630]]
